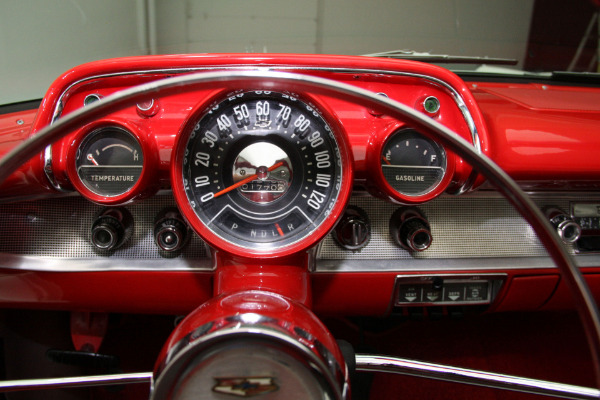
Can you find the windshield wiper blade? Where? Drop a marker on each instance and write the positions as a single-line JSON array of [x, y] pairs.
[[442, 58]]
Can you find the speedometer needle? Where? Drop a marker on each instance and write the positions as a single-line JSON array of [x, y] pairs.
[[246, 180]]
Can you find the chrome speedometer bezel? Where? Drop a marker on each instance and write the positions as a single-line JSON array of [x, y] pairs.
[[310, 234]]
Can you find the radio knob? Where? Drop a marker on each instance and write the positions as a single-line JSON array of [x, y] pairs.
[[353, 232], [410, 230], [568, 230]]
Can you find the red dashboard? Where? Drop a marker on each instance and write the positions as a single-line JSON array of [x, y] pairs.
[[294, 199]]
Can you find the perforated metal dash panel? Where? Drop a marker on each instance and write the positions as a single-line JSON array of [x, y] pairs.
[[60, 228], [462, 227]]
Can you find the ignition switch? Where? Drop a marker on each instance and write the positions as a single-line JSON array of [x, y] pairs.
[[353, 232], [410, 229]]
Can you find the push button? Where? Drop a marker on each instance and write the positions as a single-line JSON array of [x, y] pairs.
[[410, 294], [454, 293], [432, 295], [477, 291]]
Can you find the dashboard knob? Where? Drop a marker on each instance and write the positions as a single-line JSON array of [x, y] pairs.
[[568, 230], [170, 230], [111, 228], [353, 232], [410, 230]]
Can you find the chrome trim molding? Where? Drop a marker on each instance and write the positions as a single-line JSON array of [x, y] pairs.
[[48, 169], [453, 92], [372, 363], [456, 264], [251, 67], [108, 264], [54, 264], [72, 382]]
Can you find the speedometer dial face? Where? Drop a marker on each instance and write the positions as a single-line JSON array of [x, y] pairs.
[[262, 170]]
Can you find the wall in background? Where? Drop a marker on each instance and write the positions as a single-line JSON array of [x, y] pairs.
[[40, 39], [497, 28]]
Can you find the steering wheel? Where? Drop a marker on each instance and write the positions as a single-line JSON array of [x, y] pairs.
[[269, 329]]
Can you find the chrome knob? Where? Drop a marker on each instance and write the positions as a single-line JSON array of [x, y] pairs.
[[111, 228], [568, 230], [170, 230], [410, 229]]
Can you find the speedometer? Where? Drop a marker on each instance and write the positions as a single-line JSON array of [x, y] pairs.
[[262, 171]]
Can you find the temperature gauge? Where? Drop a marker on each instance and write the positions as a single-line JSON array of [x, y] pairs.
[[412, 164], [109, 161]]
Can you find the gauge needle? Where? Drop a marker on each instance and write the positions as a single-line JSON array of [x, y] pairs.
[[91, 158], [246, 180]]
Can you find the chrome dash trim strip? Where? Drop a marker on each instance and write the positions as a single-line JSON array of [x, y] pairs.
[[48, 170], [78, 381], [453, 92], [56, 264], [373, 363], [454, 264]]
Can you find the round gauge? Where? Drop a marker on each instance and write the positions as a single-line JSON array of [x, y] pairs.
[[412, 164], [109, 161], [263, 171]]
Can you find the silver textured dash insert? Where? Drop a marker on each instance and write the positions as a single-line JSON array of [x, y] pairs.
[[462, 227], [60, 228]]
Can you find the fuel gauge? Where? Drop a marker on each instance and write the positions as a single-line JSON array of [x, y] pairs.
[[412, 164], [109, 161]]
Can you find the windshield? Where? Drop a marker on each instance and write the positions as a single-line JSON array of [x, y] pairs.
[[42, 39]]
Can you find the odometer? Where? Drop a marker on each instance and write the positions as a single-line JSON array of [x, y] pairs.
[[261, 170]]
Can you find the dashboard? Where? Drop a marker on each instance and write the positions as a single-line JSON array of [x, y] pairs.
[[158, 206], [169, 185]]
